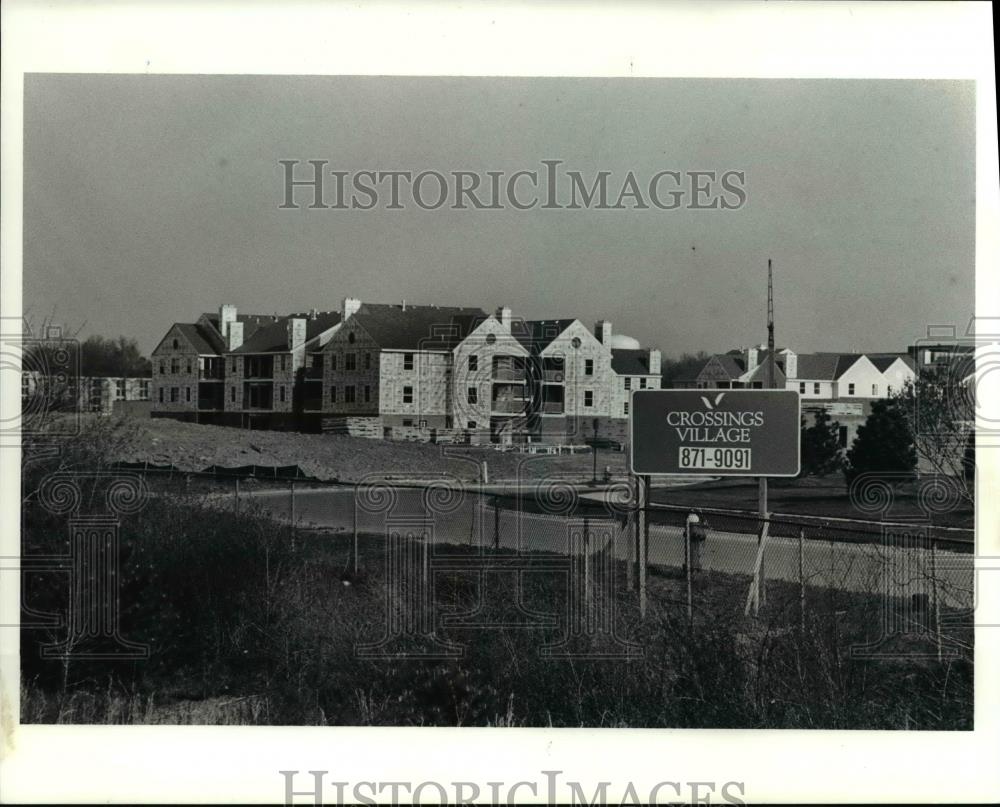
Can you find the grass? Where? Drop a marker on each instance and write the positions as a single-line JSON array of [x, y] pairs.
[[247, 626]]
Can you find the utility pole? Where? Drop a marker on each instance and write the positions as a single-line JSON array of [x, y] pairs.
[[762, 480]]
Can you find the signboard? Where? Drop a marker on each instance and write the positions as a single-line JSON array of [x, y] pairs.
[[715, 432]]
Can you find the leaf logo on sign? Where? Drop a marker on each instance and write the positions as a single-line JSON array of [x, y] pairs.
[[712, 404]]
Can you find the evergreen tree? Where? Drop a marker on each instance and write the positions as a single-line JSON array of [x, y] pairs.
[[820, 448], [884, 443]]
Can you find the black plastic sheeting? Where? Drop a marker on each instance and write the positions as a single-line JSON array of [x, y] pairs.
[[243, 471]]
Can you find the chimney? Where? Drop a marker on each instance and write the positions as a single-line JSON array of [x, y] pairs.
[[350, 306], [504, 315], [234, 335], [296, 332], [227, 315], [791, 365], [602, 330], [654, 362], [751, 354]]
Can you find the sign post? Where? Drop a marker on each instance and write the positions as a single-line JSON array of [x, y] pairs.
[[713, 432]]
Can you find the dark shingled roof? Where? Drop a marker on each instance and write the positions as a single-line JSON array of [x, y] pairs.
[[202, 339], [538, 334], [630, 362], [418, 327], [885, 360], [272, 337]]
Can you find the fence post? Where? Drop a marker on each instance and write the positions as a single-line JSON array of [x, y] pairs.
[[291, 509], [687, 564], [496, 522], [935, 604], [354, 524], [641, 543], [802, 581]]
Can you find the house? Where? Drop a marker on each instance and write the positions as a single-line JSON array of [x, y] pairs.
[[745, 368], [491, 380], [570, 385], [632, 368], [392, 365], [898, 369], [238, 369], [102, 395]]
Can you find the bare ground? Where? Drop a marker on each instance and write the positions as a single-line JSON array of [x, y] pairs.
[[194, 447]]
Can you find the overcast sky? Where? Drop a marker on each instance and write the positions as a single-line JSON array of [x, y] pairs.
[[149, 199]]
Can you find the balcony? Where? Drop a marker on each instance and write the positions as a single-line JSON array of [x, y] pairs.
[[314, 372], [510, 406], [516, 374], [553, 408], [210, 374], [553, 376]]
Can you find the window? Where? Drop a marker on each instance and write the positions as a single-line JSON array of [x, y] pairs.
[[161, 394], [176, 344], [407, 421], [175, 365], [351, 362], [144, 390], [874, 389], [642, 383], [816, 388], [588, 367], [368, 394], [472, 395], [333, 361], [189, 366], [174, 395], [187, 394], [850, 389], [351, 337], [163, 367], [333, 395], [408, 395], [491, 339], [407, 361], [232, 366], [588, 397], [575, 341], [281, 393], [120, 388], [625, 412], [232, 394], [473, 363], [349, 394], [842, 434], [368, 361], [802, 388], [628, 383], [888, 390], [472, 424], [284, 365]]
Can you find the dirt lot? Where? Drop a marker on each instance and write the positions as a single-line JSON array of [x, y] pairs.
[[192, 447]]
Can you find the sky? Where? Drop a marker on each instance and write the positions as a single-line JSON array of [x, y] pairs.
[[149, 199]]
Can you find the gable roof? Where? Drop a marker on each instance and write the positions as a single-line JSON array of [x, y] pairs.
[[885, 360], [538, 334], [417, 327], [273, 336], [200, 337], [626, 361]]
